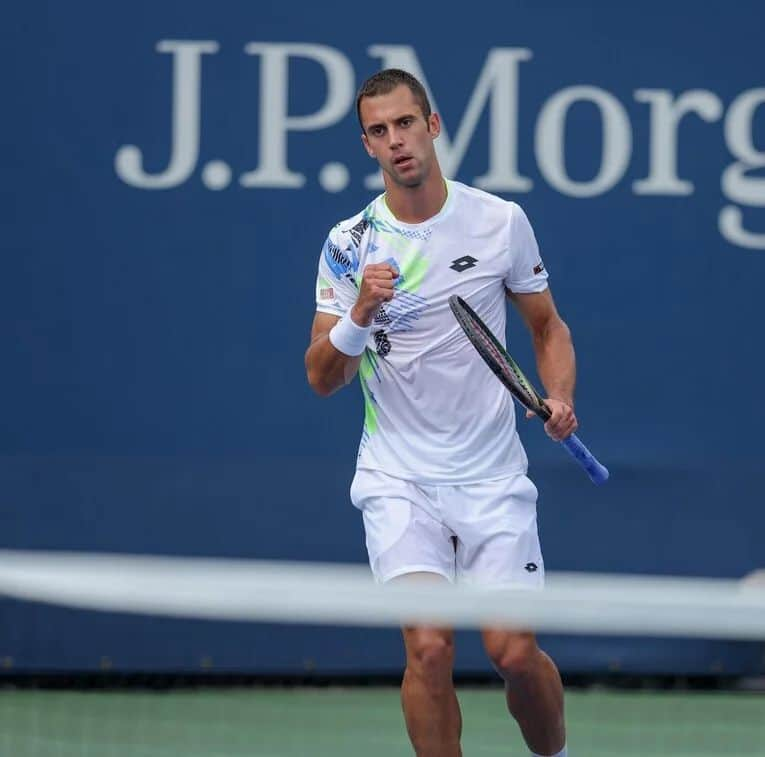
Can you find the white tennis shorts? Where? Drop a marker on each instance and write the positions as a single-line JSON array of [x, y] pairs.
[[483, 533]]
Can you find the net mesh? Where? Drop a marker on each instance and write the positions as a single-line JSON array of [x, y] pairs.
[[272, 721]]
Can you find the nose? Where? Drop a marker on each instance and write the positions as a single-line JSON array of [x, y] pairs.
[[394, 138]]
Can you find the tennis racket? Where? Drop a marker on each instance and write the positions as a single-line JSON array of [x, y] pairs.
[[508, 372]]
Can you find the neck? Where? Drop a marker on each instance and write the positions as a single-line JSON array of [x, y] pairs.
[[417, 204]]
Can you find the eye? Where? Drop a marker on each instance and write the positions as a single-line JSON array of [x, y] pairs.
[[405, 122], [376, 131]]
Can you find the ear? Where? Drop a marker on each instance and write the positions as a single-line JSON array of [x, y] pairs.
[[434, 125], [367, 146]]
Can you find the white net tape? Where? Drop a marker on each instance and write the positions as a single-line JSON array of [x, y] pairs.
[[346, 595]]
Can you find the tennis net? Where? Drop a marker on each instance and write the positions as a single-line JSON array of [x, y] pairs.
[[271, 720]]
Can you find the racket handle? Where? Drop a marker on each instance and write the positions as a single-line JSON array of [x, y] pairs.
[[598, 473]]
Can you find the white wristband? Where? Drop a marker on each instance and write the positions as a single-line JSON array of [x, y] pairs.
[[349, 338]]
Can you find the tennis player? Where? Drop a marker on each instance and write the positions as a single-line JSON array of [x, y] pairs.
[[441, 473]]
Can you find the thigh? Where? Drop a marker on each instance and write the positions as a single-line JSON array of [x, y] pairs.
[[403, 533], [496, 527]]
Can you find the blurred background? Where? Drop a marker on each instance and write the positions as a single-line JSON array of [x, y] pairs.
[[171, 171]]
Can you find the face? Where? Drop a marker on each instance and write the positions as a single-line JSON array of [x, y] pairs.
[[399, 137]]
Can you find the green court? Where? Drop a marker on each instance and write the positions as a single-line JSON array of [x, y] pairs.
[[362, 722]]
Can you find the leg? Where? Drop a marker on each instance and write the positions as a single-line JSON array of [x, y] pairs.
[[407, 541], [430, 705], [533, 688]]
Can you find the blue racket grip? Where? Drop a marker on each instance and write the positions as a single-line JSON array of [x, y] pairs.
[[598, 473]]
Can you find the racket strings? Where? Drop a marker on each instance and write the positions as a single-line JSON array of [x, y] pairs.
[[516, 378]]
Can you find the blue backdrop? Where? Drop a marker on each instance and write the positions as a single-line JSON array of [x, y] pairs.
[[171, 171]]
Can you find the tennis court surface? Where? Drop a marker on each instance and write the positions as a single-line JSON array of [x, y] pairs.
[[349, 722]]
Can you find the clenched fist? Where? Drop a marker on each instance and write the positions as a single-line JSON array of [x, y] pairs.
[[377, 286]]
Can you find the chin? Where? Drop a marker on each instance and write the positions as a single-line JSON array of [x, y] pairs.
[[411, 181]]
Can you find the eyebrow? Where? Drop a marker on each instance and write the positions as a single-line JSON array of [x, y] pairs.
[[396, 120]]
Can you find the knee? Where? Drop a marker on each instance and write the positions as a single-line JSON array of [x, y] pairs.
[[430, 654], [513, 655]]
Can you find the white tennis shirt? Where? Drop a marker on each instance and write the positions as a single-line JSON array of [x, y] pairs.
[[434, 412]]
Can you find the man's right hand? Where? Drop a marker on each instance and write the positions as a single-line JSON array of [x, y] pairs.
[[377, 286]]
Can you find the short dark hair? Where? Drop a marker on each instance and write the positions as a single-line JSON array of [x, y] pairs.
[[386, 81]]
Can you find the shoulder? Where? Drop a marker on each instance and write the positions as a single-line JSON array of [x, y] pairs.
[[472, 199], [350, 230], [341, 253], [476, 206], [482, 197], [479, 197]]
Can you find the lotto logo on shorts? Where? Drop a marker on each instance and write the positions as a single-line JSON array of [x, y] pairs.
[[530, 567], [327, 294], [539, 267]]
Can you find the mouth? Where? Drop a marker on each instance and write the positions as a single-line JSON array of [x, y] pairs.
[[403, 161]]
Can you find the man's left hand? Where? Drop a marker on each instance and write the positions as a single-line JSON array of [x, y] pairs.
[[562, 422]]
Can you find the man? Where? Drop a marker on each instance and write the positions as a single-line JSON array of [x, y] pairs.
[[440, 476]]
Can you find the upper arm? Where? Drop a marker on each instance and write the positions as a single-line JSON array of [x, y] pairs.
[[335, 288], [327, 368], [322, 324], [525, 272]]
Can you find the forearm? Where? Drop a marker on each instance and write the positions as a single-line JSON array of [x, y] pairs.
[[332, 361], [556, 362], [329, 369]]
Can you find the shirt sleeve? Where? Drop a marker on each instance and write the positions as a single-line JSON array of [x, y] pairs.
[[526, 273], [336, 286]]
